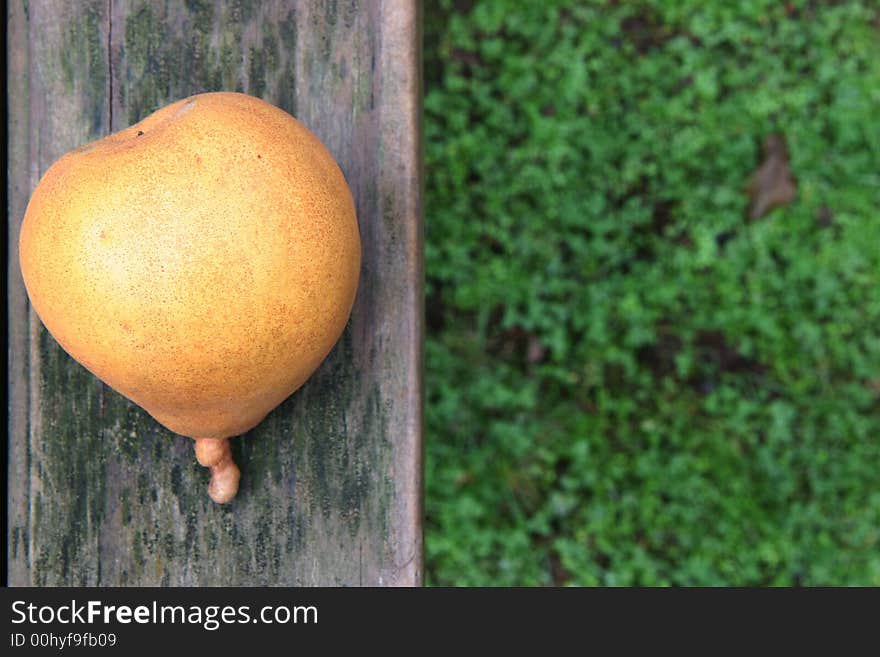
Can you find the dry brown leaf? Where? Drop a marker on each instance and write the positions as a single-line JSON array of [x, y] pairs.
[[773, 184]]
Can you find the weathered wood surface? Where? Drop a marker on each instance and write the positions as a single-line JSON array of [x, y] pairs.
[[100, 493]]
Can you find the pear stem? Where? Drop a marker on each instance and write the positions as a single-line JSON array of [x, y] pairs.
[[214, 453]]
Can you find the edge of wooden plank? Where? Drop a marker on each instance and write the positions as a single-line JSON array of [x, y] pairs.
[[18, 189], [401, 54]]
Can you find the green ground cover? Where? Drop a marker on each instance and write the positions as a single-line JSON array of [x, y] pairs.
[[629, 382]]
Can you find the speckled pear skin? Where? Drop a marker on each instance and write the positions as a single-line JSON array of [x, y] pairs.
[[202, 262]]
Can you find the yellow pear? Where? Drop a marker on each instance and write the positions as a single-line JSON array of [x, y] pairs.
[[202, 262]]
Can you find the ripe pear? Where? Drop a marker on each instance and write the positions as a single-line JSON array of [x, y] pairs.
[[202, 262]]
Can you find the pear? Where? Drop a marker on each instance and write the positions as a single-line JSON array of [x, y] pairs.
[[202, 262]]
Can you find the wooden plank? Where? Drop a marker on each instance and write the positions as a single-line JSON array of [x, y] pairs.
[[100, 494], [17, 191]]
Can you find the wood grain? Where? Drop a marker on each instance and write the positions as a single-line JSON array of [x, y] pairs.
[[100, 494]]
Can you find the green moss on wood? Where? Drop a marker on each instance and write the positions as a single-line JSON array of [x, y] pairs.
[[242, 11], [287, 29], [83, 62], [143, 54], [286, 97], [125, 503], [330, 14], [201, 16], [257, 72], [184, 61], [73, 460], [270, 47]]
